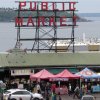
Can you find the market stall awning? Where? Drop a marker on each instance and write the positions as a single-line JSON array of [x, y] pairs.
[[66, 74], [43, 74], [87, 73]]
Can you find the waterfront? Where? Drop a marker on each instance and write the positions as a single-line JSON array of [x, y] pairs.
[[8, 33]]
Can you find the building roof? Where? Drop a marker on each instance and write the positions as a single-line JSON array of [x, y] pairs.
[[19, 59]]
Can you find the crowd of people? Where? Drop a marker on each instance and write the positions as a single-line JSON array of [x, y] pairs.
[[48, 89]]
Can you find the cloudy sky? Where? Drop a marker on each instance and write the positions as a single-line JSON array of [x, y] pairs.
[[83, 6]]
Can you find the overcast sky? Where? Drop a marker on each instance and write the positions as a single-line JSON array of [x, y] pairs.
[[83, 6]]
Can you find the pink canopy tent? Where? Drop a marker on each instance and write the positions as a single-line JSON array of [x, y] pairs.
[[66, 74], [43, 74]]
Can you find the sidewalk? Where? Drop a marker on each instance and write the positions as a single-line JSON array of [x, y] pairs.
[[0, 96], [67, 97]]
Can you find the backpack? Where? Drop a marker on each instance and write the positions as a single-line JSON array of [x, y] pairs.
[[76, 89]]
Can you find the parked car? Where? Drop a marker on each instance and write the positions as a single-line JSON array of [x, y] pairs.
[[21, 94], [88, 97]]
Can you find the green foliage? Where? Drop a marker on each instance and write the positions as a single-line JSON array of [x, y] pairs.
[[9, 14]]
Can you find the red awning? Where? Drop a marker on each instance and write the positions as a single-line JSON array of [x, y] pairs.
[[43, 74], [66, 74]]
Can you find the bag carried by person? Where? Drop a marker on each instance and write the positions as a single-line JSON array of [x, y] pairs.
[[76, 89]]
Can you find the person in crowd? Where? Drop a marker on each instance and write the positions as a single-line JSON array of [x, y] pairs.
[[89, 88], [53, 87], [80, 93], [15, 85], [85, 89], [59, 96], [47, 90], [38, 88], [53, 96], [47, 97], [33, 86], [76, 92], [43, 89], [69, 89]]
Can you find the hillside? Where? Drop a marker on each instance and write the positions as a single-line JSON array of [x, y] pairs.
[[89, 14], [8, 14]]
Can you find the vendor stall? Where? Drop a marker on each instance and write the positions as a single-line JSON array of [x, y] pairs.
[[87, 74], [90, 77], [62, 90], [65, 75], [43, 74], [96, 88]]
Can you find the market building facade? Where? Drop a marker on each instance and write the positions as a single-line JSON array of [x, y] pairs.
[[19, 63], [46, 24]]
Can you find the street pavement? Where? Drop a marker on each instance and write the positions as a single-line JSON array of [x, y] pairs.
[[67, 97], [0, 96]]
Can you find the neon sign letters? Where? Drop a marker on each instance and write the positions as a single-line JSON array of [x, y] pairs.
[[41, 20]]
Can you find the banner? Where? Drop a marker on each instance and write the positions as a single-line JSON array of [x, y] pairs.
[[18, 72]]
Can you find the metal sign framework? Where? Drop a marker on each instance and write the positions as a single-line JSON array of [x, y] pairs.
[[42, 20]]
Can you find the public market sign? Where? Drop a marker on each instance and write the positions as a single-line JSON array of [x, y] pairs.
[[45, 14]]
